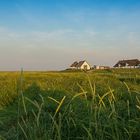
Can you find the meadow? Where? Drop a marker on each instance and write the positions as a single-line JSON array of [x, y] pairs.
[[70, 105]]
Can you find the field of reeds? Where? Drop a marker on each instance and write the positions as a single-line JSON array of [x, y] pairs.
[[94, 105]]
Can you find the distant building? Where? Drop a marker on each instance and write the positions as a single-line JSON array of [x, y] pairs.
[[102, 67], [133, 63], [83, 65]]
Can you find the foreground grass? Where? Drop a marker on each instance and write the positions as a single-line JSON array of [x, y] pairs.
[[100, 105]]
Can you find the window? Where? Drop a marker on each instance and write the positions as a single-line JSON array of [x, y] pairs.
[[85, 67]]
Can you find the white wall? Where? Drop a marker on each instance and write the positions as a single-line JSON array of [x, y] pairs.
[[88, 66]]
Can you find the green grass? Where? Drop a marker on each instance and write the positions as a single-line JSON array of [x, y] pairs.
[[100, 105]]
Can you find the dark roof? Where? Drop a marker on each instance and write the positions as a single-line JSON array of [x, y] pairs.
[[80, 63], [132, 62], [77, 64], [74, 64]]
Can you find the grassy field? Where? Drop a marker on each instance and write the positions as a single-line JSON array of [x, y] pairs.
[[94, 105]]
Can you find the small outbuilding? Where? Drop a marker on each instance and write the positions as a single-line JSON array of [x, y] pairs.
[[102, 67]]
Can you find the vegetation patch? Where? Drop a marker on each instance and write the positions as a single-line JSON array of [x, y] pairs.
[[70, 106]]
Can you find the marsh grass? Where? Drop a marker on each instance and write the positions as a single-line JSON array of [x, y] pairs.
[[72, 106]]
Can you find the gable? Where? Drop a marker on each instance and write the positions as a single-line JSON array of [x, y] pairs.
[[85, 63]]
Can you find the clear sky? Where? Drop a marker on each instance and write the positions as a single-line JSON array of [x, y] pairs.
[[51, 34]]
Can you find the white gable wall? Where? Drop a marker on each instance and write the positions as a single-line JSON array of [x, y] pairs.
[[85, 64]]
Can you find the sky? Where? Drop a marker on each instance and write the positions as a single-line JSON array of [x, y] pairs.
[[51, 34]]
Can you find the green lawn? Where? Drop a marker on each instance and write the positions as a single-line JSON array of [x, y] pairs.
[[98, 104]]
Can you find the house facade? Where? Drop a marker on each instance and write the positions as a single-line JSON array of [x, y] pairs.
[[83, 65], [133, 63]]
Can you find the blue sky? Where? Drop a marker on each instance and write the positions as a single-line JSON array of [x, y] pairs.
[[51, 34]]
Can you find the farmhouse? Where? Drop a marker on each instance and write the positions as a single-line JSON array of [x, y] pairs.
[[133, 63], [83, 65]]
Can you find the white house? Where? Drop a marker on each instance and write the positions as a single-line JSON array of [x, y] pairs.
[[83, 65], [133, 63]]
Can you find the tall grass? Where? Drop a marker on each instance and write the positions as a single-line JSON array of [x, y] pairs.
[[73, 107]]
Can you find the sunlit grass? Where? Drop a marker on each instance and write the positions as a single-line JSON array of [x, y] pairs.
[[97, 105]]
